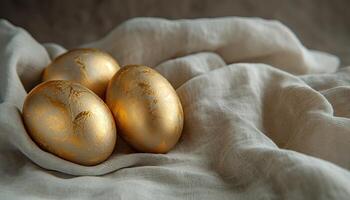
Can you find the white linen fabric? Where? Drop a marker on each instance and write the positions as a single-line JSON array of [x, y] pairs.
[[265, 117]]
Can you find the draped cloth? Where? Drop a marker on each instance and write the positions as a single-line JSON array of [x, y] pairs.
[[265, 117]]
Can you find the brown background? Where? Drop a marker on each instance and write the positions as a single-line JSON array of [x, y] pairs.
[[320, 24]]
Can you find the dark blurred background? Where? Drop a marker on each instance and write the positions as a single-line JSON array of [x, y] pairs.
[[319, 24]]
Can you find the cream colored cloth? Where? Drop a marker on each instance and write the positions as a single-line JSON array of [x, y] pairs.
[[265, 118]]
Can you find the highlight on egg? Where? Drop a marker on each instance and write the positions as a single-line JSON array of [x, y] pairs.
[[147, 110], [90, 67], [70, 121]]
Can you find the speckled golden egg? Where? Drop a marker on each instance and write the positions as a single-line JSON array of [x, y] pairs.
[[70, 121], [146, 108], [89, 67]]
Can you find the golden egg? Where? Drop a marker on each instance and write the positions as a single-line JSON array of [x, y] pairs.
[[70, 121], [89, 67], [146, 108]]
